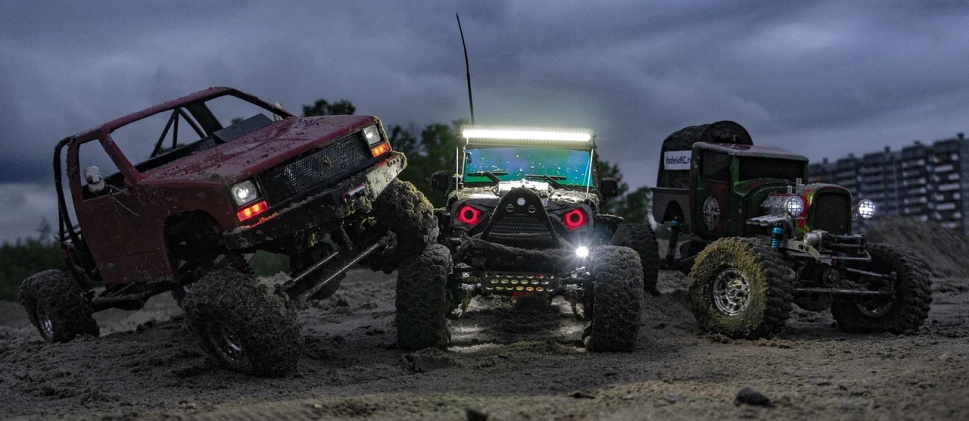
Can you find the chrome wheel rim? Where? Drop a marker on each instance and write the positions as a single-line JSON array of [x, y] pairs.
[[731, 292], [227, 345], [45, 324], [874, 309]]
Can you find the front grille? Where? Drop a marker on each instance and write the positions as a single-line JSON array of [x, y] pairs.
[[518, 224], [831, 213], [521, 231], [318, 168]]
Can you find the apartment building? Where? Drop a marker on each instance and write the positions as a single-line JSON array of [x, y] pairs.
[[929, 182]]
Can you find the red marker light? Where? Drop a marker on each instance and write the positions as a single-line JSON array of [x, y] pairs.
[[574, 219], [250, 211], [469, 215]]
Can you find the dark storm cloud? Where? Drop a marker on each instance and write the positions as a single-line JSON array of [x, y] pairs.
[[820, 77]]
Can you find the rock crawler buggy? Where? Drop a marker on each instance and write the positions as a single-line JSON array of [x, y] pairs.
[[522, 218], [321, 190], [762, 240]]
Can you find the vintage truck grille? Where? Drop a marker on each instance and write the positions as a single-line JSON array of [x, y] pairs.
[[831, 213], [314, 169]]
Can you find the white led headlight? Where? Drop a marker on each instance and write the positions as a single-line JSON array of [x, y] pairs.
[[794, 205], [372, 134], [866, 208], [582, 251], [244, 192]]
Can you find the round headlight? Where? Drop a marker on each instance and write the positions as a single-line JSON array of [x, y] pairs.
[[582, 251], [866, 208], [794, 205], [244, 192]]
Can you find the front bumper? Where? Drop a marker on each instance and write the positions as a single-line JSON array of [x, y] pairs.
[[355, 194]]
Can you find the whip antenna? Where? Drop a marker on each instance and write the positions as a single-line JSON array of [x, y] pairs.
[[467, 68]]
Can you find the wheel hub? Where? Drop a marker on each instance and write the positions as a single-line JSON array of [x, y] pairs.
[[227, 345], [45, 323], [874, 308], [731, 292]]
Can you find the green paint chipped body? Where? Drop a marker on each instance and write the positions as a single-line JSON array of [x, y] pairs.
[[761, 239]]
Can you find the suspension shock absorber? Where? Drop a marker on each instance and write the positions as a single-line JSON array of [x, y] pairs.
[[671, 250], [777, 237]]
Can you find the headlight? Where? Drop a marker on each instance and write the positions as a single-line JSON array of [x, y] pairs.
[[794, 205], [244, 192], [372, 135], [866, 208], [582, 251]]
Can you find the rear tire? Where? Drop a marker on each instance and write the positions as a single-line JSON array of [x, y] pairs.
[[741, 288], [56, 306], [422, 305], [905, 312], [640, 238], [242, 325], [617, 299], [403, 210]]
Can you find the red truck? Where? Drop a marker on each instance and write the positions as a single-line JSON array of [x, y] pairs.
[[320, 190]]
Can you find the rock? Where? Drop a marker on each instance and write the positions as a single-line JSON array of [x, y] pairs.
[[427, 359], [749, 396], [476, 415], [582, 395], [673, 397]]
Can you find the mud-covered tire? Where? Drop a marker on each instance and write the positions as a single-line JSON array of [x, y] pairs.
[[640, 238], [405, 211], [813, 302], [617, 299], [908, 308], [242, 325], [56, 306], [737, 264], [421, 301]]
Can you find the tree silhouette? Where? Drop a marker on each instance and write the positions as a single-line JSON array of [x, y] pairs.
[[322, 107]]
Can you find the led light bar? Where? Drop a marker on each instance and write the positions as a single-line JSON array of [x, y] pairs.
[[525, 134]]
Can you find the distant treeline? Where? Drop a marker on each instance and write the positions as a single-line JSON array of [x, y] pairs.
[[25, 257]]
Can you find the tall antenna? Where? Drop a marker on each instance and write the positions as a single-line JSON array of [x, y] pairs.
[[467, 68]]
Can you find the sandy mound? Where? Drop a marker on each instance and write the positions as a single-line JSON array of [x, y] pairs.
[[946, 251]]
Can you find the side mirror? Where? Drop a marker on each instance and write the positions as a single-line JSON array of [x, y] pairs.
[[440, 180], [95, 183], [609, 187]]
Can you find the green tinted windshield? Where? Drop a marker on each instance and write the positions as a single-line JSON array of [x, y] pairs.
[[571, 164]]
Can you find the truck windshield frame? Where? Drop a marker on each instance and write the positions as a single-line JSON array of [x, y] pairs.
[[510, 163], [752, 168]]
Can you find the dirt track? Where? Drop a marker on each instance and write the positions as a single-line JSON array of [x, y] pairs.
[[509, 363]]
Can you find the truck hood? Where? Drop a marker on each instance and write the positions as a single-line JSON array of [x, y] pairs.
[[259, 150]]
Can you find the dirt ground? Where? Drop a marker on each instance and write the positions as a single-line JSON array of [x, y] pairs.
[[504, 362]]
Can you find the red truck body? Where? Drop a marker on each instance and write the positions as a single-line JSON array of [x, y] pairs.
[[125, 229]]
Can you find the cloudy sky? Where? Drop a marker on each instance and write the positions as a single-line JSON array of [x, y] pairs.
[[823, 78]]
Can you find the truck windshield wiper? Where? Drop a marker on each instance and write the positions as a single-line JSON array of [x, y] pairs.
[[550, 178], [491, 175]]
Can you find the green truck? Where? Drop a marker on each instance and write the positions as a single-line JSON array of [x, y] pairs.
[[761, 239]]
